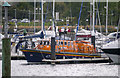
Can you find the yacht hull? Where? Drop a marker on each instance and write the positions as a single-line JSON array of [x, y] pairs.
[[114, 58], [113, 54], [115, 51]]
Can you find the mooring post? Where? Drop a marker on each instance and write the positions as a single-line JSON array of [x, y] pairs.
[[6, 47], [53, 49], [6, 58], [93, 40]]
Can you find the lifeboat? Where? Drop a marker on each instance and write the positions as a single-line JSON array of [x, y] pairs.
[[63, 49]]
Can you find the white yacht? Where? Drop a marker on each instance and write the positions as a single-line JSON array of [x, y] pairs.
[[112, 49]]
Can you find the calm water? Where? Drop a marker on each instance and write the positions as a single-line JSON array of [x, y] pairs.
[[21, 68]]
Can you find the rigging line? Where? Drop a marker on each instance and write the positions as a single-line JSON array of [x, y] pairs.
[[79, 19]]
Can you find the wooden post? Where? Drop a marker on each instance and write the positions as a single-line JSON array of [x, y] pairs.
[[6, 58], [6, 47], [93, 40], [53, 48]]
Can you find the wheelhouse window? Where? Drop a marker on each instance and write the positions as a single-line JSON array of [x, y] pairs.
[[47, 42], [71, 43], [68, 43], [65, 43], [61, 42], [40, 42], [44, 42]]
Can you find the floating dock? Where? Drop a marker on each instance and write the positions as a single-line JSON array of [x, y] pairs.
[[14, 56], [97, 60], [103, 58]]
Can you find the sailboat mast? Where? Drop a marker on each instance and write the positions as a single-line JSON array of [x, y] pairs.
[[90, 15], [106, 17], [53, 15], [93, 18], [29, 17], [93, 29], [42, 28], [34, 14]]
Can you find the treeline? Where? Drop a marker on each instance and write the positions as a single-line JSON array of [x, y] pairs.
[[67, 9]]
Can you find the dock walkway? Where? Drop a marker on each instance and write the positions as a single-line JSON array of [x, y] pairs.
[[104, 58], [14, 56]]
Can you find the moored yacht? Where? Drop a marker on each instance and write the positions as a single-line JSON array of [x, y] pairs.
[[112, 49]]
